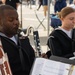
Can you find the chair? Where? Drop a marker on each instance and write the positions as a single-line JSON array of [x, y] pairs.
[[40, 21]]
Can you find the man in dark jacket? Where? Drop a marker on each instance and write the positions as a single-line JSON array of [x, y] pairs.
[[19, 51], [59, 4], [13, 3]]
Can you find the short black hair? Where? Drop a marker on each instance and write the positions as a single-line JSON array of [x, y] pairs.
[[5, 7]]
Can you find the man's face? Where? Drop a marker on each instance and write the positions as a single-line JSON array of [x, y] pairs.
[[10, 23]]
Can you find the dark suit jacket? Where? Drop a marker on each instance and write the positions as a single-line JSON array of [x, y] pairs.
[[59, 5], [12, 51]]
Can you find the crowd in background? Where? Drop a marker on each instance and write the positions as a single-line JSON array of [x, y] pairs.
[[58, 4]]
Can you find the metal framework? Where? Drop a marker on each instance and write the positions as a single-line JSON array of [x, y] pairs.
[[48, 16]]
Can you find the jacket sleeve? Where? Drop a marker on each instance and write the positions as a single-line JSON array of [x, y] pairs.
[[25, 44], [54, 46]]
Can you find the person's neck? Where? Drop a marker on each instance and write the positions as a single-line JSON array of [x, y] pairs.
[[65, 28]]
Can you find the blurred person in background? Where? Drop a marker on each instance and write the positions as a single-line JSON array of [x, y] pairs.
[[40, 4], [70, 1], [0, 1], [13, 3], [73, 4], [59, 4], [45, 7]]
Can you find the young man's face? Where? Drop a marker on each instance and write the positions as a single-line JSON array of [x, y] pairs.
[[10, 22]]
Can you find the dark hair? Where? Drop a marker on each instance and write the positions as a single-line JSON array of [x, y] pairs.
[[65, 11], [5, 7]]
